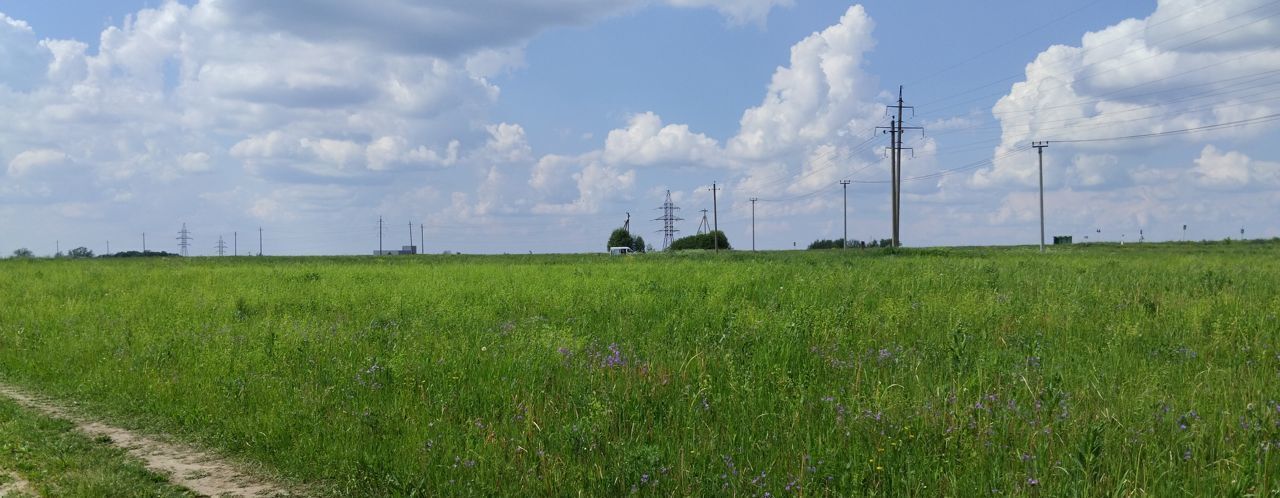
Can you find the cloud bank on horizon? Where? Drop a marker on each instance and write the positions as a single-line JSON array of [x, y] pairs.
[[241, 113]]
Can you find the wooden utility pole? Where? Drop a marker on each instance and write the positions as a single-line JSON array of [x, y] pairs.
[[1040, 152], [844, 243], [715, 218]]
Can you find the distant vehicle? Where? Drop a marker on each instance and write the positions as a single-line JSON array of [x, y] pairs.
[[619, 251]]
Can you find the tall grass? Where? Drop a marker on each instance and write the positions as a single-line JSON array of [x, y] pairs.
[[1100, 371]]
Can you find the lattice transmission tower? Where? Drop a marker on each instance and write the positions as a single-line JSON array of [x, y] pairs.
[[184, 239], [222, 246], [668, 220]]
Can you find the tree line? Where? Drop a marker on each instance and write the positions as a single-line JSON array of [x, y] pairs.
[[84, 252]]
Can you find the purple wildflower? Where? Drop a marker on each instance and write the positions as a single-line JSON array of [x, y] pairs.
[[1031, 481], [615, 357]]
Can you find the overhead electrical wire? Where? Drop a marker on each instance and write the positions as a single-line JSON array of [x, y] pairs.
[[1242, 122], [1061, 77]]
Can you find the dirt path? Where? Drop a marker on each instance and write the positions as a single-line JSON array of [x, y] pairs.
[[16, 486], [199, 471]]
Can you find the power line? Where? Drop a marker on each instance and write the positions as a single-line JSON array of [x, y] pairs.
[[1063, 81], [1163, 103], [1007, 42], [1082, 52], [1242, 122]]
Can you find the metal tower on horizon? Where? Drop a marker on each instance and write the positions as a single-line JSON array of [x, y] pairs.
[[668, 220], [704, 226], [184, 239]]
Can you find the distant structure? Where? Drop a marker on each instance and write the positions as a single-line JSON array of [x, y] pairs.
[[184, 240], [703, 226], [404, 250], [222, 246], [668, 220], [627, 224]]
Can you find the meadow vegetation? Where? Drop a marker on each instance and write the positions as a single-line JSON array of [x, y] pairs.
[[1102, 370]]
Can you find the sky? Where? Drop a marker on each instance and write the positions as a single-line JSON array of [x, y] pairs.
[[515, 126]]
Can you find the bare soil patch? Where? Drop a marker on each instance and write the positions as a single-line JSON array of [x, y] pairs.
[[14, 485]]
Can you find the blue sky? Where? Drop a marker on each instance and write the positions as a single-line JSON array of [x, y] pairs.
[[535, 126]]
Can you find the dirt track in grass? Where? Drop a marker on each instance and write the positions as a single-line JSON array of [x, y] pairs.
[[201, 472]]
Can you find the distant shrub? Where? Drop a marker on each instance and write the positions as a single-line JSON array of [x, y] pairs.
[[140, 254], [837, 244], [80, 252], [702, 241], [622, 238]]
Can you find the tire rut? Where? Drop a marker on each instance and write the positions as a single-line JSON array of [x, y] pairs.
[[199, 471]]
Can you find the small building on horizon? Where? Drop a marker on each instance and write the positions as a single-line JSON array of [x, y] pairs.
[[404, 250]]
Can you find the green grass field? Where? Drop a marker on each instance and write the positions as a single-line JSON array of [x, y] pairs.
[[1103, 370]]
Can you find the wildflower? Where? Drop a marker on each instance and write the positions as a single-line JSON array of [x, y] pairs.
[[885, 355], [1031, 481], [615, 357], [1186, 455], [644, 479]]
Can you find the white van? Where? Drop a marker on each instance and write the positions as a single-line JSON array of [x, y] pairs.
[[619, 251]]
